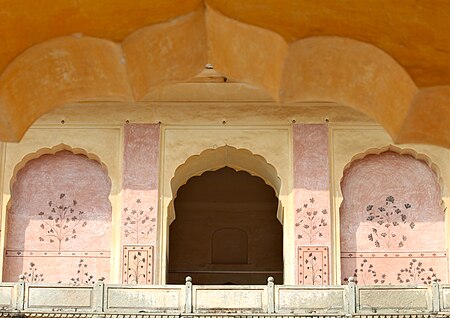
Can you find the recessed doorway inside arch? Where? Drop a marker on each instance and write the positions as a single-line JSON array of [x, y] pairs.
[[226, 231]]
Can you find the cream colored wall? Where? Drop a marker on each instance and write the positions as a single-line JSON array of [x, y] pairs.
[[262, 128], [274, 143], [103, 142], [348, 141]]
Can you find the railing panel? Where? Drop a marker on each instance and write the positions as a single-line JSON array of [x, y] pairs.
[[305, 299], [222, 299], [445, 297], [156, 299], [60, 297], [405, 299], [8, 295], [241, 299]]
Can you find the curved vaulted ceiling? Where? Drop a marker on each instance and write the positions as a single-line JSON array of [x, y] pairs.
[[388, 59]]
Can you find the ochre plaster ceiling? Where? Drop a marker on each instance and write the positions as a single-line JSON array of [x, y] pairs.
[[387, 59]]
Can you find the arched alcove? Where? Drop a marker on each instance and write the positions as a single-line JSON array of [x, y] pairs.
[[392, 222], [59, 205], [225, 156], [226, 230]]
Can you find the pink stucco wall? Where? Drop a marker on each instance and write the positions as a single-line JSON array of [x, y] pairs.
[[59, 217], [392, 223], [312, 203], [139, 202]]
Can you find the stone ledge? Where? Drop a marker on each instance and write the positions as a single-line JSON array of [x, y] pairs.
[[17, 314]]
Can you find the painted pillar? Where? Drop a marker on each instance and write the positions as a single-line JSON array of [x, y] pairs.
[[139, 202], [312, 204]]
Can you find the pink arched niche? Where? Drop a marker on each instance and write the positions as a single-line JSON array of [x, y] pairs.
[[58, 219], [392, 221]]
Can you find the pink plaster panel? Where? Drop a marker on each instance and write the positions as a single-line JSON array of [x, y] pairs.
[[394, 268], [76, 270], [139, 216], [59, 206], [140, 196], [392, 206], [311, 167], [141, 157], [311, 191], [137, 264], [313, 265]]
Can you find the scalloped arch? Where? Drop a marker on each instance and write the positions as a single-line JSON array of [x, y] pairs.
[[57, 72], [215, 158], [51, 151], [400, 151], [352, 73], [77, 68]]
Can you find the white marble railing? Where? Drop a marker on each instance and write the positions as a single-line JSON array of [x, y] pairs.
[[189, 299]]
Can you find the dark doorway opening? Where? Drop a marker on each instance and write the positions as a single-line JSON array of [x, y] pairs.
[[226, 231]]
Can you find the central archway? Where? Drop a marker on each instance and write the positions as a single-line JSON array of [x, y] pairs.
[[237, 169], [226, 230]]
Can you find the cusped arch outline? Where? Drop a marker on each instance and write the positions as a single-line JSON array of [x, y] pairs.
[[213, 159], [51, 151], [401, 151], [319, 68]]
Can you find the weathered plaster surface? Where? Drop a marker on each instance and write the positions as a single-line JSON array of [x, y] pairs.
[[100, 134], [139, 199], [312, 203], [69, 69], [392, 221], [59, 207]]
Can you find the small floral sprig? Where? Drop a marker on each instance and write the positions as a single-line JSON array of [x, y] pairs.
[[388, 219], [137, 269], [83, 277], [313, 269], [61, 221], [311, 222], [415, 273], [138, 224], [32, 276], [366, 274]]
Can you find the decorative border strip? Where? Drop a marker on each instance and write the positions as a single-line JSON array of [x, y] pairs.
[[141, 272], [307, 255], [432, 254], [212, 315], [26, 253], [83, 315]]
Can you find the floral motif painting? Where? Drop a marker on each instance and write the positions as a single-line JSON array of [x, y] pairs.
[[59, 207], [139, 223], [313, 265], [312, 221], [137, 266], [392, 222], [61, 220]]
